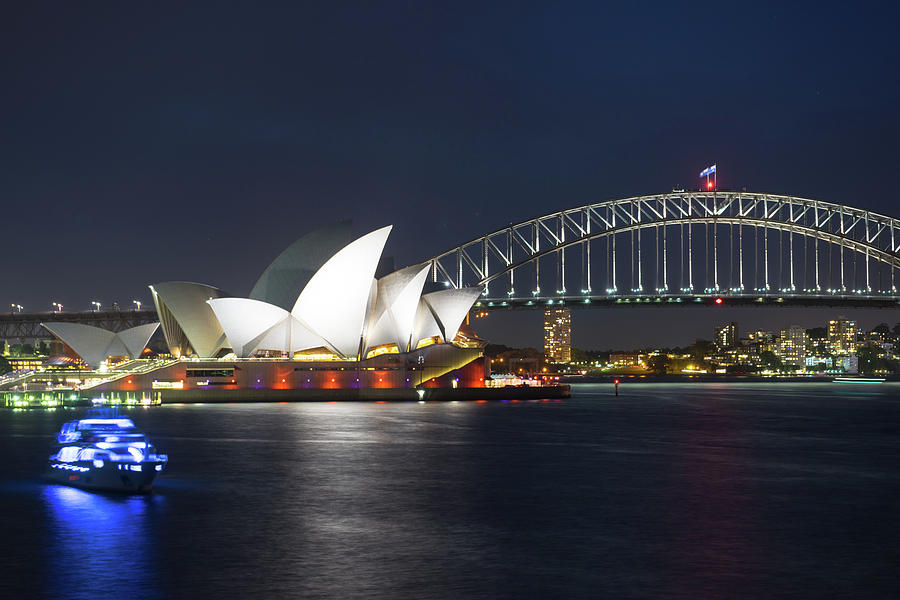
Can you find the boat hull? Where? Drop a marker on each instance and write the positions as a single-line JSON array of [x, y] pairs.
[[126, 477]]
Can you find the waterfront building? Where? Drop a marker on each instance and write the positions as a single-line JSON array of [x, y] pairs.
[[792, 346], [727, 336], [762, 340], [817, 344], [558, 334], [848, 364], [321, 317], [628, 359], [878, 342], [524, 366], [815, 361], [842, 334], [740, 355], [26, 362]]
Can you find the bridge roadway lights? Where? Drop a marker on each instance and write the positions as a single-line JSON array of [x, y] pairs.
[[848, 300]]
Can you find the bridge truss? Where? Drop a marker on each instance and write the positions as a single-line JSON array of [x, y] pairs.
[[685, 246], [27, 326]]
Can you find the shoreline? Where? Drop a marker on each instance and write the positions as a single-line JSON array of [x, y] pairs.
[[364, 395], [717, 378], [20, 400]]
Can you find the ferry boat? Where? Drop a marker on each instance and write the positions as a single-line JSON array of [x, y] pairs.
[[109, 454], [858, 380]]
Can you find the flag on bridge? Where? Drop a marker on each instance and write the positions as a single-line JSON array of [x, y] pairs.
[[710, 184]]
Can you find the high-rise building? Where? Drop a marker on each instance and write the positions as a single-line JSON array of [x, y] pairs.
[[842, 336], [558, 334], [727, 336], [792, 346]]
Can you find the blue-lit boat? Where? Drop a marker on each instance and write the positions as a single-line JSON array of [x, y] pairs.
[[105, 454]]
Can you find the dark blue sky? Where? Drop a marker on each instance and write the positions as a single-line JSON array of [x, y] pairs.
[[151, 142]]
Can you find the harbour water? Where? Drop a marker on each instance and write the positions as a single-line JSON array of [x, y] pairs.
[[666, 491]]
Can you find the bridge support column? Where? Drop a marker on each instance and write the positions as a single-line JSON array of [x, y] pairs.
[[818, 288], [740, 285]]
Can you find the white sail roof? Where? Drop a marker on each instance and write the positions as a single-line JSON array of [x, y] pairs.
[[342, 307], [251, 325], [188, 322], [94, 344], [245, 321], [449, 308], [282, 281], [335, 301], [425, 325], [137, 338], [395, 307]]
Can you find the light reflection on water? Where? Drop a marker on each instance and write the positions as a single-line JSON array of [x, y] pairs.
[[100, 544], [665, 491]]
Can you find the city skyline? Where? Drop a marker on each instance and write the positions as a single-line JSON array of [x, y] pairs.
[[663, 326]]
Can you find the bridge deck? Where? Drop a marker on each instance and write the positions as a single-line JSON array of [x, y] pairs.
[[28, 325], [670, 300]]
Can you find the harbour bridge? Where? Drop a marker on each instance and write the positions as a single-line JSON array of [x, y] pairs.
[[24, 326], [679, 248], [684, 247]]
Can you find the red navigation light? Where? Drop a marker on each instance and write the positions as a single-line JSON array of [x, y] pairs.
[[718, 301], [616, 381], [709, 185]]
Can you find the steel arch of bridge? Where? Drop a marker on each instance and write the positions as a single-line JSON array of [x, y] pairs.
[[738, 244]]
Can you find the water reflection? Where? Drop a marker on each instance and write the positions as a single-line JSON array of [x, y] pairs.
[[100, 544]]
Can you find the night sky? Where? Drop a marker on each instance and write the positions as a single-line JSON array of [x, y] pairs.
[[146, 142]]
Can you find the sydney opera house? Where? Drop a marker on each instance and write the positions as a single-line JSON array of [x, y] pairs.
[[322, 316]]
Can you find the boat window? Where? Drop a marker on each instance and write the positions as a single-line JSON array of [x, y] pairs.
[[105, 424], [68, 453]]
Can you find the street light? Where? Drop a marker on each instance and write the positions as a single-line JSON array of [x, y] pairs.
[[96, 305], [137, 303], [15, 307], [57, 305]]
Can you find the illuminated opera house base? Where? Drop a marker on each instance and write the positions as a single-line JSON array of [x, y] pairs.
[[342, 326], [388, 376]]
